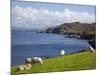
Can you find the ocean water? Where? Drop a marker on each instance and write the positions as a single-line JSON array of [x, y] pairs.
[[29, 44]]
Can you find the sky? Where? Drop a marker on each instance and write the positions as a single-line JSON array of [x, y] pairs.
[[37, 15]]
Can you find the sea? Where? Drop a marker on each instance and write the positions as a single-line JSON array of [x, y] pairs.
[[26, 44]]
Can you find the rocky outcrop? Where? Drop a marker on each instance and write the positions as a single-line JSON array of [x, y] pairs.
[[73, 28]]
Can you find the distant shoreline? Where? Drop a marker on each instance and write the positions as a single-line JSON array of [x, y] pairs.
[[48, 57]]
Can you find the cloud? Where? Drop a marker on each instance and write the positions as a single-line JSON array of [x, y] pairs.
[[29, 17]]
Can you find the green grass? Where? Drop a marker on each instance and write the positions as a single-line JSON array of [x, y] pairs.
[[78, 61]]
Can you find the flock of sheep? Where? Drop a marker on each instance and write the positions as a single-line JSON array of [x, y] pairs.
[[33, 60], [29, 62]]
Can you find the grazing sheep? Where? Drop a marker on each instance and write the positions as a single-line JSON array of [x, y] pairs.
[[29, 60], [27, 66], [23, 67], [20, 68], [62, 52], [37, 60]]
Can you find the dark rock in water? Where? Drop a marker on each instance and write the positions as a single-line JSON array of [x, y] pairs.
[[87, 36], [92, 43]]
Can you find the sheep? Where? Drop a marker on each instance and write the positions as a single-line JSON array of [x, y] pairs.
[[20, 68], [23, 67], [27, 66], [28, 60], [62, 52], [37, 60]]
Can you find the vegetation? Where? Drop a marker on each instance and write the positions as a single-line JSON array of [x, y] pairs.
[[71, 62], [74, 27]]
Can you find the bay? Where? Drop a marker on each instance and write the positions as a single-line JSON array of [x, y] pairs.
[[28, 44]]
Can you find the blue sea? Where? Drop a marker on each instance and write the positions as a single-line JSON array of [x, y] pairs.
[[28, 44]]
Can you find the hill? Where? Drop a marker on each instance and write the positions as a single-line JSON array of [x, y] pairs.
[[74, 27], [84, 30], [78, 61]]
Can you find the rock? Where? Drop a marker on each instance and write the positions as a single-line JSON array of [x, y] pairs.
[[74, 27], [62, 52]]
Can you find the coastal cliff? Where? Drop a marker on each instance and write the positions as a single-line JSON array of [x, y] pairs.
[[84, 30]]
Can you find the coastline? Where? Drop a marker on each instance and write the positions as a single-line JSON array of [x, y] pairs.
[[68, 63]]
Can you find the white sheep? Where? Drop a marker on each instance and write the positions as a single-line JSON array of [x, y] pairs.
[[23, 67], [37, 60], [20, 68], [27, 66], [62, 52], [28, 60]]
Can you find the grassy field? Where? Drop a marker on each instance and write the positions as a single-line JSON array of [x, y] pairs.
[[78, 61]]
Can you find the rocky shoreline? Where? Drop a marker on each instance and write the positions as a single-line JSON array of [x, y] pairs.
[[75, 30]]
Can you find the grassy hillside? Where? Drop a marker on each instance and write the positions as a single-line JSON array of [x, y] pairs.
[[74, 27], [78, 61]]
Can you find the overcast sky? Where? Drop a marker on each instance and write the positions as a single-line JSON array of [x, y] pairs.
[[43, 15]]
